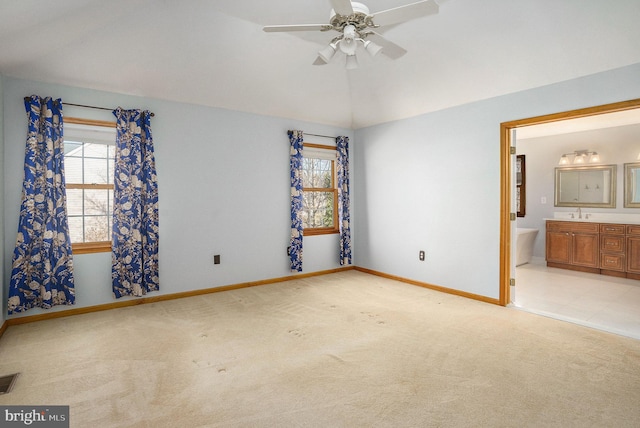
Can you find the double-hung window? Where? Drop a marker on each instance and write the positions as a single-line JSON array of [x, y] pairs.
[[89, 152], [320, 192]]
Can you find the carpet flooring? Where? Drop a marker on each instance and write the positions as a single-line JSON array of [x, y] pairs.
[[342, 350]]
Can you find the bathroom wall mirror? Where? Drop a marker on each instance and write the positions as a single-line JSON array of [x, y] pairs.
[[632, 185], [586, 186]]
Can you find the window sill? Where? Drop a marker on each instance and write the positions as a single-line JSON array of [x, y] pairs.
[[319, 231], [91, 247]]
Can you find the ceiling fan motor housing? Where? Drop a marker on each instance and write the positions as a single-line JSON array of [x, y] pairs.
[[360, 18]]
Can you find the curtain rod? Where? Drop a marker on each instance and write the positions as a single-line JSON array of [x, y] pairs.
[[87, 106], [99, 108], [318, 135]]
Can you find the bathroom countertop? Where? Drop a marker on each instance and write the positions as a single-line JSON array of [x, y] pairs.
[[597, 219]]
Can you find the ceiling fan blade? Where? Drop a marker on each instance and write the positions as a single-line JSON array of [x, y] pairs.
[[301, 27], [342, 7], [405, 13], [389, 48]]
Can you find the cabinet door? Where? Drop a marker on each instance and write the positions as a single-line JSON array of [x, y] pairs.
[[585, 249], [559, 247], [633, 254]]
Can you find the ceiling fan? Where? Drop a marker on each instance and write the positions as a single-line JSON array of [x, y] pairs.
[[356, 26]]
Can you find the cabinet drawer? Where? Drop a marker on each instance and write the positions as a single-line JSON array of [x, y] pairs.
[[633, 229], [613, 229], [612, 243], [612, 262], [570, 226]]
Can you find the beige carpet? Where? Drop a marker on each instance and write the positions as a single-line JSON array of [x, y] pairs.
[[341, 350]]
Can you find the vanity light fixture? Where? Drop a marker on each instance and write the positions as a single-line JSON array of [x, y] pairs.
[[580, 157]]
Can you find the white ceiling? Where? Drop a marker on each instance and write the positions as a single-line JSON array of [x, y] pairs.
[[214, 52]]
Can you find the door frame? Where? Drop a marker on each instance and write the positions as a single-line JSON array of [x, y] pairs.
[[506, 183]]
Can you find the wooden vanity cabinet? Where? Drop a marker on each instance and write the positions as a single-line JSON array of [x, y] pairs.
[[573, 245], [605, 248]]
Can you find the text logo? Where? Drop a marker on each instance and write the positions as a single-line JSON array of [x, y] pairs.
[[34, 416]]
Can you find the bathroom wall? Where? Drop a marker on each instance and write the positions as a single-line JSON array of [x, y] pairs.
[[224, 188], [615, 146]]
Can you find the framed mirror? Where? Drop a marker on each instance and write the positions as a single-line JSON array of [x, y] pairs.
[[521, 186], [632, 185], [586, 186]]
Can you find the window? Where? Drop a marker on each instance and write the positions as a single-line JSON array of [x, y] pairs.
[[89, 152], [320, 193]]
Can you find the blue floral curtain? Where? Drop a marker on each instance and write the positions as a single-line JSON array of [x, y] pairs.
[[42, 270], [295, 249], [135, 207], [344, 216]]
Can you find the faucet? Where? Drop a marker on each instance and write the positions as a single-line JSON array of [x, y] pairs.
[[579, 211]]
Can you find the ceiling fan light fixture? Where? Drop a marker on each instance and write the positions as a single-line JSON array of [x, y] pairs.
[[372, 48], [348, 43], [328, 52], [352, 62], [348, 46], [349, 32]]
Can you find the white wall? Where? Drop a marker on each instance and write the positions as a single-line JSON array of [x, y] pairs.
[[616, 146], [223, 181], [433, 182]]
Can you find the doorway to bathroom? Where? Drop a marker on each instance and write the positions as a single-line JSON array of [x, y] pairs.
[[599, 301]]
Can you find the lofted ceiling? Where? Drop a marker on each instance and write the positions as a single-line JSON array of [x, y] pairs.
[[214, 52]]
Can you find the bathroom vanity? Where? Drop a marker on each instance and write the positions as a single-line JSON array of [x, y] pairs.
[[588, 246]]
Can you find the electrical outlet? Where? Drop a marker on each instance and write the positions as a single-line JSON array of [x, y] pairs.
[[421, 255], [216, 259]]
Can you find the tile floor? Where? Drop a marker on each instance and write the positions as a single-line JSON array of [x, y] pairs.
[[598, 301]]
